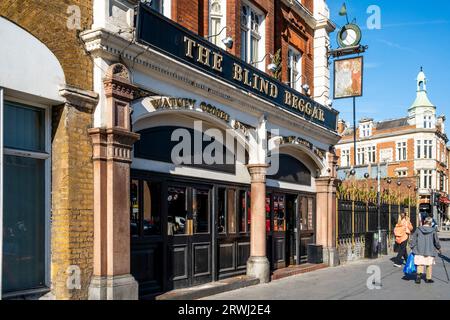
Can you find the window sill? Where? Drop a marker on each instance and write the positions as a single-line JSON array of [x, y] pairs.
[[32, 294]]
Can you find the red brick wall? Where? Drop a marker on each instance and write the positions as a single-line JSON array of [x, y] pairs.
[[194, 15]]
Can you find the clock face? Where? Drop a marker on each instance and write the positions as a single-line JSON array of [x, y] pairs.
[[349, 35]]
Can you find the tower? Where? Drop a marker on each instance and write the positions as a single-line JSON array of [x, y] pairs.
[[422, 112]]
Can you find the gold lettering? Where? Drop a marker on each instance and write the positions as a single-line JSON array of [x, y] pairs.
[[287, 97], [295, 102], [255, 81], [247, 81], [308, 109], [264, 86], [273, 90], [217, 62], [188, 48], [203, 55], [315, 112], [321, 115], [237, 72], [302, 105]]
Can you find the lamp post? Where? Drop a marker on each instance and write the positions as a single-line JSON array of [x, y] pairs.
[[389, 181], [409, 200]]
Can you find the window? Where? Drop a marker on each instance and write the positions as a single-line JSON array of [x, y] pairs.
[[427, 121], [227, 211], [217, 21], [26, 197], [426, 179], [177, 211], [372, 154], [402, 173], [162, 6], [243, 205], [365, 130], [360, 156], [345, 158], [294, 68], [425, 149], [279, 213], [442, 181], [252, 46], [428, 149], [200, 210], [402, 153]]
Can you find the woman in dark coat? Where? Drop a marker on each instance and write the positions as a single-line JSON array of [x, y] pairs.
[[424, 244]]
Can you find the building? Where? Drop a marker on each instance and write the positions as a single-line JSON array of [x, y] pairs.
[[46, 107], [412, 150], [146, 193]]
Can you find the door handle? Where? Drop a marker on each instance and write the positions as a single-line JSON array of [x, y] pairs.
[[189, 227]]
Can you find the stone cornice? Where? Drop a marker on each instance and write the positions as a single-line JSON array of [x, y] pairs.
[[112, 47], [82, 99], [308, 16], [388, 135]]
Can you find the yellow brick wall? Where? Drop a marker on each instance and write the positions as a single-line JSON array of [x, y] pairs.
[[72, 201], [72, 171]]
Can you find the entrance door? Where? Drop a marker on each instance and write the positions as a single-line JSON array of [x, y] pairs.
[[279, 242], [291, 230], [189, 235], [306, 223]]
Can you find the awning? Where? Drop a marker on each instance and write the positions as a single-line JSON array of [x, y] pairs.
[[444, 200]]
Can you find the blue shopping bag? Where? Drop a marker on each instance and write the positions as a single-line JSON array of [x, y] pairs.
[[410, 267]]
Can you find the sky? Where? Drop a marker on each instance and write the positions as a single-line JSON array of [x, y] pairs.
[[413, 33]]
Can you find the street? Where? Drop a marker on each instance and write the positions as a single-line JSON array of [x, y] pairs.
[[349, 282]]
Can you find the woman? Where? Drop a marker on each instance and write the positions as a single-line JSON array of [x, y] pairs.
[[402, 231], [424, 244]]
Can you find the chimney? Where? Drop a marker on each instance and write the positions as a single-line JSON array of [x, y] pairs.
[[341, 126]]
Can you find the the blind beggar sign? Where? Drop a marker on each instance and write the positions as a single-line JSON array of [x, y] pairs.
[[165, 36]]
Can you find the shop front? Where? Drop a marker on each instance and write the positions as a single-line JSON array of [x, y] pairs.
[[224, 177]]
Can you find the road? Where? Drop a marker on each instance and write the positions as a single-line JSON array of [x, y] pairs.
[[350, 282]]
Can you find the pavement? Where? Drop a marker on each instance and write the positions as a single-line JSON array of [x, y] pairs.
[[349, 281]]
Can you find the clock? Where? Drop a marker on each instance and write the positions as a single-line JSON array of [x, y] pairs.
[[349, 36]]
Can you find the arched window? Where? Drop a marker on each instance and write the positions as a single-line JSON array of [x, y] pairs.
[[292, 170], [217, 20]]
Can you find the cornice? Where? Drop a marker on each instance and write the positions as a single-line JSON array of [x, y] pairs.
[[308, 16], [113, 47], [399, 134]]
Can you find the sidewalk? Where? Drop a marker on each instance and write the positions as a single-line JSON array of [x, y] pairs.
[[349, 281]]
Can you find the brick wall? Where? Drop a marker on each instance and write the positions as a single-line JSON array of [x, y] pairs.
[[72, 202], [72, 177]]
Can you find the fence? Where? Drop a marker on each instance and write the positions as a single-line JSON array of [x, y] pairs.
[[357, 218]]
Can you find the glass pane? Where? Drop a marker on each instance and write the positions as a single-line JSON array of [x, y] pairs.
[[310, 214], [134, 212], [200, 204], [24, 224], [24, 127], [221, 210], [303, 214], [231, 206], [267, 212], [241, 211], [244, 46], [177, 211], [157, 5], [278, 213], [152, 208], [249, 210]]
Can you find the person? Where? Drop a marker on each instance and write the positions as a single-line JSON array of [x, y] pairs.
[[424, 244], [402, 231]]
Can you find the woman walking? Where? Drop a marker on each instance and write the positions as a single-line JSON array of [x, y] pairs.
[[402, 231], [424, 244]]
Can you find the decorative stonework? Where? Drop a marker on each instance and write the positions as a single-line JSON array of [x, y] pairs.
[[257, 172], [112, 146]]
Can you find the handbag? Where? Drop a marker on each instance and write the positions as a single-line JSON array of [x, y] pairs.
[[410, 267]]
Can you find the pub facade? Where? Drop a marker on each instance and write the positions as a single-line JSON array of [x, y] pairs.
[[212, 145]]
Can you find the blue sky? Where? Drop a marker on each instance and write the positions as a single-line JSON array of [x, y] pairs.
[[413, 33]]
